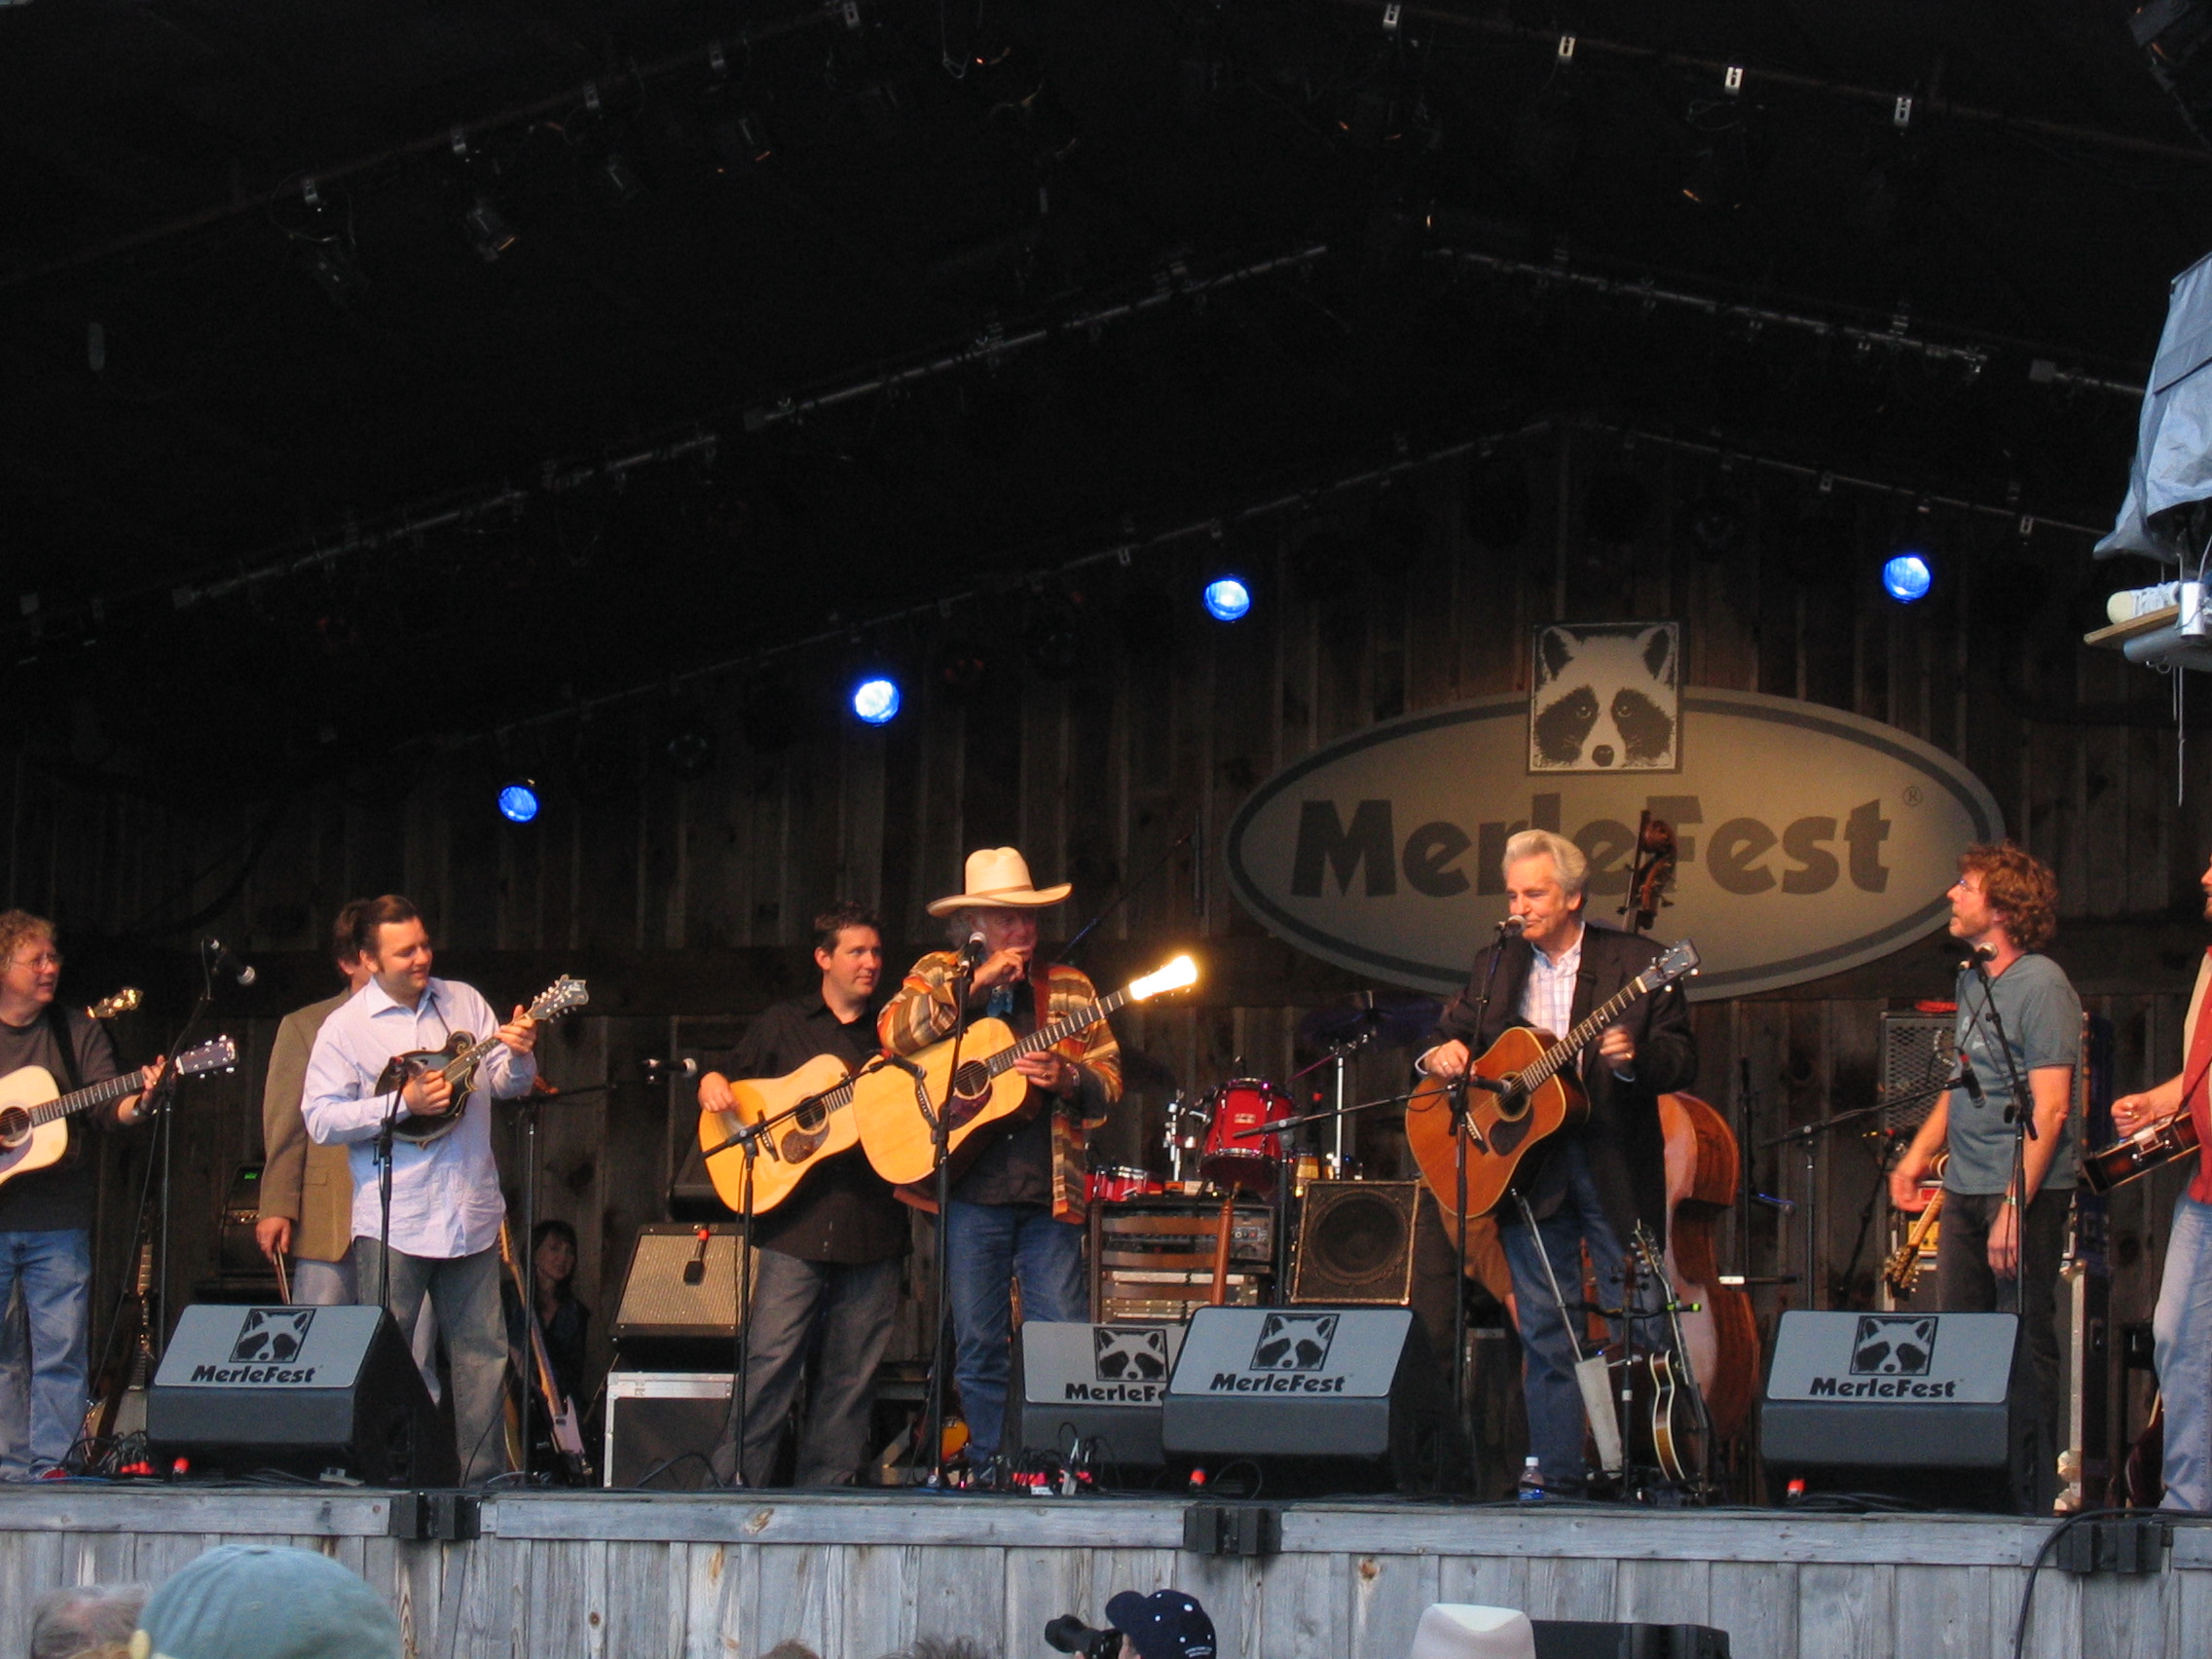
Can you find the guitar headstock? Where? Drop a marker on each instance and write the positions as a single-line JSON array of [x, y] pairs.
[[123, 1002], [1174, 977], [218, 1054], [1677, 962], [564, 995]]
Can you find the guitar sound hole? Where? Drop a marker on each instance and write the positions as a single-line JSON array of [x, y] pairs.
[[14, 1126], [811, 1117], [973, 1081], [1512, 1106]]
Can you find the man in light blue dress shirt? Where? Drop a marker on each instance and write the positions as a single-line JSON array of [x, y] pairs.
[[446, 1207]]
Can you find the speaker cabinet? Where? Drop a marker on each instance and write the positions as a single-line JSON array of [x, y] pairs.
[[664, 1425], [1100, 1383], [1321, 1399], [301, 1390], [1917, 1406], [1377, 1244]]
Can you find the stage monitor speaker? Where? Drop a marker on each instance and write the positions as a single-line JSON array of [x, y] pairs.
[[1322, 1399], [1590, 1639], [301, 1389], [659, 1304], [664, 1425], [1917, 1406], [1377, 1244], [1101, 1384]]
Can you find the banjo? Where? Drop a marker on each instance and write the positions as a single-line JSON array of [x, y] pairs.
[[457, 1062]]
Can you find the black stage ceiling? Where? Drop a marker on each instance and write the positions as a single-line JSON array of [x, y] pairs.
[[208, 372]]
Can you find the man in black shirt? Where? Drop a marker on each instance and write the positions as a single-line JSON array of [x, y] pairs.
[[45, 1214], [830, 1254]]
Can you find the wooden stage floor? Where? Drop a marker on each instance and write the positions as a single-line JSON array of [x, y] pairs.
[[628, 1575]]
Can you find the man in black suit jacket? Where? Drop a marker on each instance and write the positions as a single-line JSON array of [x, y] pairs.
[[1590, 1184]]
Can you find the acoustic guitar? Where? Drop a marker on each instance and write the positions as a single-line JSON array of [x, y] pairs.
[[817, 1132], [458, 1060], [33, 1132], [1527, 1092], [898, 1104]]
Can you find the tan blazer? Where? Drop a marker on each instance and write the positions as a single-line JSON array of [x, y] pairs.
[[310, 1185]]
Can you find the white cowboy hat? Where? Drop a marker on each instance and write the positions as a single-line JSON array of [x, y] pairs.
[[1452, 1630], [999, 876]]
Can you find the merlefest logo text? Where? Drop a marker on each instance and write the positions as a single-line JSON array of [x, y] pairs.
[[1808, 840]]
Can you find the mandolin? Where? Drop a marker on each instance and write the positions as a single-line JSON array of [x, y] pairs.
[[33, 1133], [458, 1060], [897, 1105], [1527, 1092]]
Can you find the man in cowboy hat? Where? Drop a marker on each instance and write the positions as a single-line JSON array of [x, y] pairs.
[[1017, 1208]]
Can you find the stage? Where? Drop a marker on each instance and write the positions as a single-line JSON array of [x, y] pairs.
[[638, 1575]]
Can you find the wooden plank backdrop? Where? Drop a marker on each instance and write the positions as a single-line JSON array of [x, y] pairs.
[[687, 903], [859, 1578]]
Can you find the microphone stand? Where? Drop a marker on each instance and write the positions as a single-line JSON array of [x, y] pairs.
[[1462, 1127], [1068, 950], [940, 1151]]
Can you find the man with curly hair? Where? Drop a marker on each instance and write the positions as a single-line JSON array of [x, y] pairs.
[[2006, 1198]]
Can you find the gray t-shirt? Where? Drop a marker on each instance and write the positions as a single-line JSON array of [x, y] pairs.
[[2043, 1026]]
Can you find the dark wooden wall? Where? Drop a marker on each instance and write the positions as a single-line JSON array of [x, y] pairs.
[[688, 902]]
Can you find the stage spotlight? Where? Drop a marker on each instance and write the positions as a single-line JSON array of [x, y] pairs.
[[1907, 576], [876, 699], [1228, 599], [487, 228], [518, 800]]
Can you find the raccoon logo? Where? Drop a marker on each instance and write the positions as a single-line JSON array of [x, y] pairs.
[[1607, 698], [1294, 1342], [1892, 1345], [1128, 1353], [271, 1336]]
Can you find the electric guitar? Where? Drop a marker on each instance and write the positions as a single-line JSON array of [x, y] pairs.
[[564, 1429], [1520, 1092], [33, 1133], [1903, 1270], [897, 1105], [458, 1060], [817, 1132]]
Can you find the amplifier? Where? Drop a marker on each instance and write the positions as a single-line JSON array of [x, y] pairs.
[[302, 1389], [1913, 1405], [657, 1304], [1101, 1382], [1332, 1399], [664, 1425]]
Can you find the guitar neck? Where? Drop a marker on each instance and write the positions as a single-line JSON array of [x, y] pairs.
[[1568, 1048], [84, 1099], [1059, 1031]]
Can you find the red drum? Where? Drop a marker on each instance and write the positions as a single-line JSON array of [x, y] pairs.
[[1115, 1182], [1241, 1149]]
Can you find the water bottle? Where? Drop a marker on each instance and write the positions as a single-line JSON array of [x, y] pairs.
[[1531, 1487]]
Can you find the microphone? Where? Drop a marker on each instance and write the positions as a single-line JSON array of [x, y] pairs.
[[695, 1270], [669, 1071], [1972, 1084], [221, 960], [972, 953], [1980, 953], [1510, 927], [1070, 1635]]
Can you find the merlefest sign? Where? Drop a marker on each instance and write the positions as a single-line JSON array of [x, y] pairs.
[[1809, 840]]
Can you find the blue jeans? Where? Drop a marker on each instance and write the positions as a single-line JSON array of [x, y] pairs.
[[2181, 1335], [1556, 1418], [988, 1246], [52, 1270]]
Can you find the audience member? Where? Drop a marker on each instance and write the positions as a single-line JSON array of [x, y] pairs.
[[266, 1602], [85, 1621]]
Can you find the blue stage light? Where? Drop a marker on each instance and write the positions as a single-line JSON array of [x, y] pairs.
[[1907, 577], [876, 699], [518, 801], [1228, 599]]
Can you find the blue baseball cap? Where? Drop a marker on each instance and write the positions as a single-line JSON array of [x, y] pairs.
[[1163, 1625]]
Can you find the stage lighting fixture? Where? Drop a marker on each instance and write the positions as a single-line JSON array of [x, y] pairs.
[[518, 800], [688, 750], [876, 699], [487, 228], [1907, 576], [1228, 599]]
